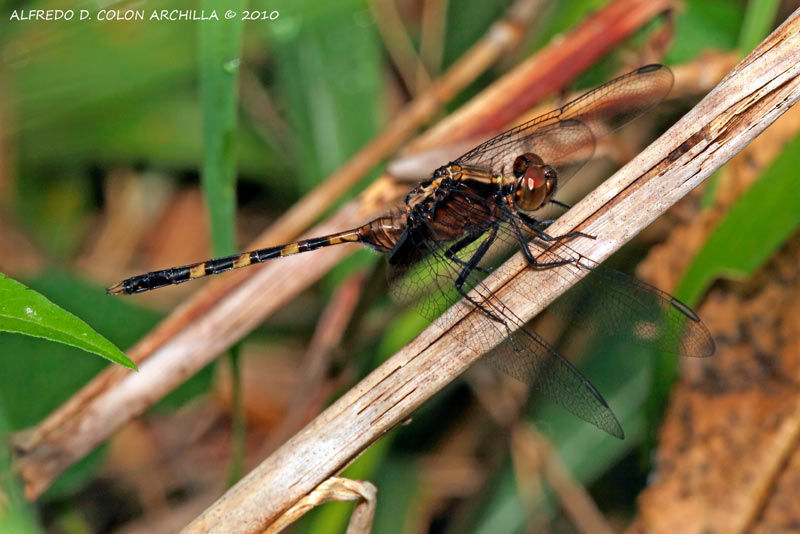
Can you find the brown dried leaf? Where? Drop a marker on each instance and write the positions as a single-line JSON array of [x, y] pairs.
[[727, 460]]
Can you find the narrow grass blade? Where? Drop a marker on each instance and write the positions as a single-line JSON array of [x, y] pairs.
[[219, 67]]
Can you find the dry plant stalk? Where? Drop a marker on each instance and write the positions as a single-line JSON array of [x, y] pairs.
[[335, 489], [535, 449], [327, 337], [225, 310], [400, 47], [748, 100]]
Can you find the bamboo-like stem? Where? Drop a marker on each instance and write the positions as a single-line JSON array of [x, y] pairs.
[[748, 100], [228, 308]]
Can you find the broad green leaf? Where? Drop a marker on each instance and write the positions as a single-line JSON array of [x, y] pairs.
[[762, 219], [43, 369], [23, 311]]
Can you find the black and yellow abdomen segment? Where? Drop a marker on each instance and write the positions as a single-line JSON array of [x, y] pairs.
[[178, 275]]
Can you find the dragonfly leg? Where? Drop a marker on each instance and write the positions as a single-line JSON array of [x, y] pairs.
[[560, 204], [527, 252], [471, 265], [450, 254], [534, 226]]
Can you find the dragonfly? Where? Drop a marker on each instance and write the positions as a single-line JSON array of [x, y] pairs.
[[452, 228]]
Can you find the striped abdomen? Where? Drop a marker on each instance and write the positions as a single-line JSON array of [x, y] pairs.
[[380, 234]]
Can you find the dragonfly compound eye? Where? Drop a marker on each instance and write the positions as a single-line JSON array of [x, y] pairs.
[[523, 162], [533, 188], [551, 182]]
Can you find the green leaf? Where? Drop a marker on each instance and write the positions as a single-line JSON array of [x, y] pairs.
[[219, 68], [762, 219], [23, 311], [328, 79], [758, 19], [703, 25]]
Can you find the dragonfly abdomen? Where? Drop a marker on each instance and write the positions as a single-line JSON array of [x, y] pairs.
[[381, 234], [178, 275]]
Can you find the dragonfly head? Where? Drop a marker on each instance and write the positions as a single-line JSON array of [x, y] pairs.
[[535, 182]]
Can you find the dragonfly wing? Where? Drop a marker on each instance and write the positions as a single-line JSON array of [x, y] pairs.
[[530, 359], [620, 100], [613, 303], [429, 278], [601, 111], [564, 145], [619, 305]]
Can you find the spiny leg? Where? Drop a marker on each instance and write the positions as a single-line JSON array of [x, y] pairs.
[[547, 222], [470, 266], [534, 226], [451, 252], [533, 262], [560, 204], [544, 223]]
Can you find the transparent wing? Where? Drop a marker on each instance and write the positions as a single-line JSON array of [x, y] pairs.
[[564, 145], [601, 110], [613, 303], [524, 355], [427, 271]]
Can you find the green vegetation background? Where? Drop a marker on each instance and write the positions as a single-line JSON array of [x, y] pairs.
[[83, 98]]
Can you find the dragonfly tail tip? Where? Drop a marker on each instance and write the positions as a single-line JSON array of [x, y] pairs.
[[116, 289]]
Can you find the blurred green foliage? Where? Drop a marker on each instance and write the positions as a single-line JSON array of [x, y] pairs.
[[18, 515], [84, 98], [327, 58], [754, 228], [219, 71]]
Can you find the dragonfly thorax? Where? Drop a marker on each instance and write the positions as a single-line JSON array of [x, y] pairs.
[[535, 182]]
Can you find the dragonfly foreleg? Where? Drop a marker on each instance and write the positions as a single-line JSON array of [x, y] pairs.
[[533, 262], [534, 226], [560, 204]]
